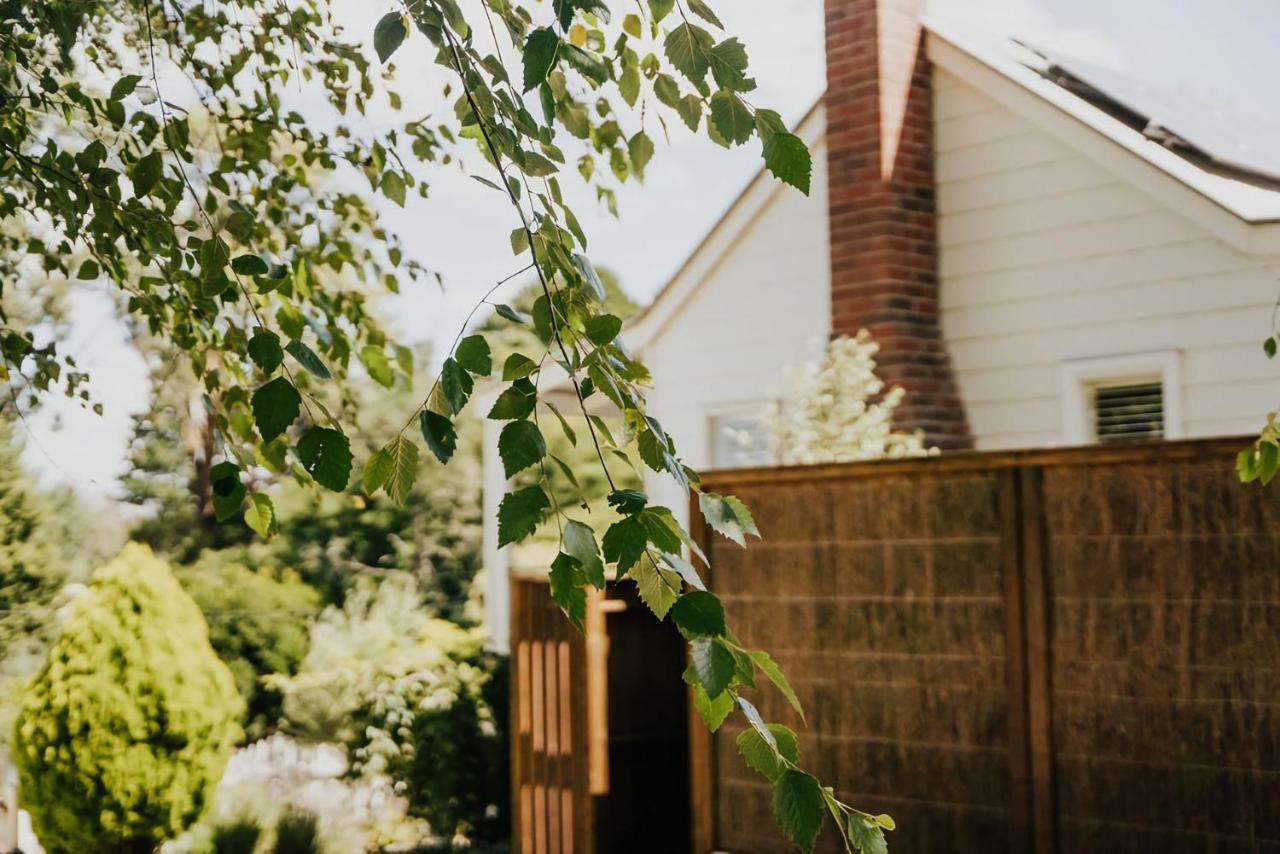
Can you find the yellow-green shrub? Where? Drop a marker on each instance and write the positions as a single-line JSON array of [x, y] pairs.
[[123, 735]]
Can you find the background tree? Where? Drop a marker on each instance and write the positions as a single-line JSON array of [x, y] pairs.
[[839, 411], [125, 731]]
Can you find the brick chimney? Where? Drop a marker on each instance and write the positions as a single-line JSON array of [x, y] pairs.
[[884, 246]]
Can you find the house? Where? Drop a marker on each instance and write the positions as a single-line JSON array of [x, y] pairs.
[[1047, 252]]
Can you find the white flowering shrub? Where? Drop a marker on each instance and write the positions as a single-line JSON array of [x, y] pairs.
[[839, 411]]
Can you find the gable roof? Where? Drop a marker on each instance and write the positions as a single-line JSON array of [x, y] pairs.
[[1231, 196]]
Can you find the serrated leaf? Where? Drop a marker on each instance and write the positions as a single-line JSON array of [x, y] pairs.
[[388, 34], [688, 48], [699, 614], [249, 265], [392, 186], [124, 87], [519, 241], [520, 513], [768, 758], [518, 366], [729, 66], [866, 834], [439, 434], [624, 542], [265, 350], [640, 149], [146, 173], [227, 491], [456, 384], [88, 270], [723, 517], [275, 406], [515, 402], [658, 587], [661, 8], [703, 11], [260, 515], [520, 445], [580, 544], [376, 471], [788, 158], [713, 712], [402, 469], [731, 117], [473, 354], [375, 361], [589, 275], [326, 455], [690, 109], [566, 591], [798, 807], [775, 675], [713, 663], [540, 50], [307, 358], [602, 329]]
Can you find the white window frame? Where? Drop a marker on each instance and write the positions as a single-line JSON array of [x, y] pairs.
[[737, 409], [1081, 376]]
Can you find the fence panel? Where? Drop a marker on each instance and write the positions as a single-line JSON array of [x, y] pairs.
[[1050, 651]]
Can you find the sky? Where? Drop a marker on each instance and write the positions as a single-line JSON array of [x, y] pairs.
[[1219, 52]]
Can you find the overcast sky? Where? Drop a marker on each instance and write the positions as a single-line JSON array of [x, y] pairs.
[[1214, 51]]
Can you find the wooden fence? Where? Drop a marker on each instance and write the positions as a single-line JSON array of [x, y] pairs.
[[1055, 651]]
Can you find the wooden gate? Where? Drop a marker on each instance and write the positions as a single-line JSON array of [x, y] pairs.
[[599, 748], [1053, 651]]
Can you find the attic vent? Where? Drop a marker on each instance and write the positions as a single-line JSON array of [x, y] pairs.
[[1126, 412]]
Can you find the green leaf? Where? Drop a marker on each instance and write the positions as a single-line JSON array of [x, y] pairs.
[[438, 432], [473, 354], [146, 174], [731, 117], [375, 361], [389, 34], [775, 675], [729, 66], [688, 48], [326, 455], [765, 758], [456, 384], [624, 542], [788, 158], [628, 501], [699, 614], [519, 240], [519, 514], [640, 148], [264, 350], [631, 26], [540, 51], [1268, 459], [88, 270], [661, 8], [589, 275], [690, 109], [602, 329], [798, 807], [518, 366], [260, 515], [124, 87], [658, 587], [728, 516], [1268, 346], [580, 544], [520, 445], [250, 265], [376, 471], [392, 186], [307, 358], [505, 311], [515, 402], [713, 712], [866, 833], [401, 466], [566, 589], [713, 663], [275, 406], [703, 11], [227, 490]]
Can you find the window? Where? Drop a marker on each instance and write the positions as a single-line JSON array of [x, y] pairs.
[[1118, 398], [739, 441]]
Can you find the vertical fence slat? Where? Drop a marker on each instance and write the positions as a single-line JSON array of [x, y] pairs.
[[1011, 548], [1035, 596]]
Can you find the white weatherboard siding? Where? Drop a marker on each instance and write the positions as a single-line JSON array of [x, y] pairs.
[[1047, 257], [759, 309]]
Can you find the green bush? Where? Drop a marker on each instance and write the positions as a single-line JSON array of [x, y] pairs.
[[238, 836], [123, 735], [298, 832]]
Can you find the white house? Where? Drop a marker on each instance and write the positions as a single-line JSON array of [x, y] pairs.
[[1034, 242]]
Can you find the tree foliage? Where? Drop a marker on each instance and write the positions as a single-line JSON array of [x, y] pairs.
[[124, 733], [221, 219]]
